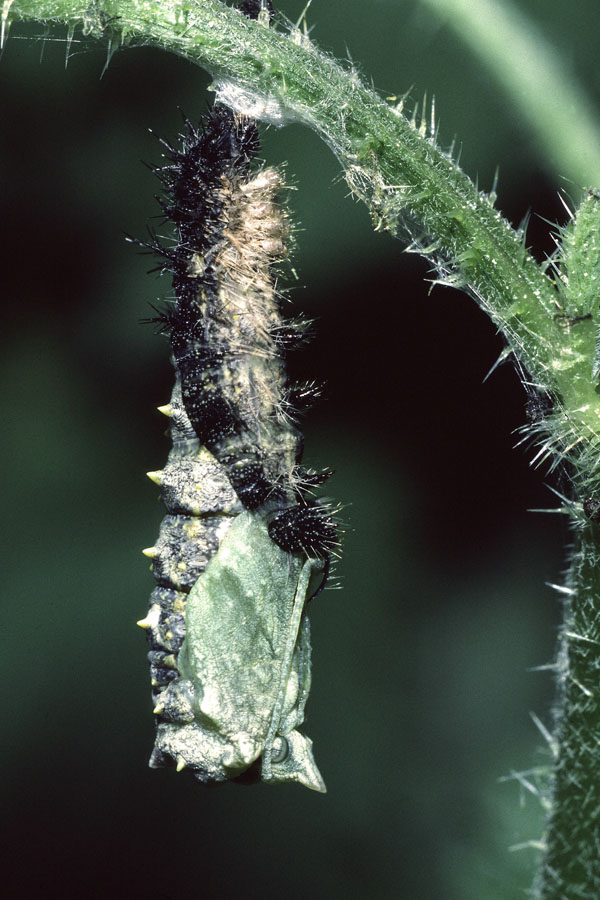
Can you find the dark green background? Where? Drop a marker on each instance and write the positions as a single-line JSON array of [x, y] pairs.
[[422, 692]]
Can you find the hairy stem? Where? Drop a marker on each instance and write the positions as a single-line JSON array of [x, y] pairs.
[[571, 866]]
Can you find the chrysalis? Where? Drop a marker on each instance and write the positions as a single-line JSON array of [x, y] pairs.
[[244, 667], [244, 544]]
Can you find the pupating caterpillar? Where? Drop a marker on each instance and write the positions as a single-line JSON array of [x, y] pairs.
[[244, 543]]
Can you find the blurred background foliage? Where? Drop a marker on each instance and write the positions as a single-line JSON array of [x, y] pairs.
[[422, 682]]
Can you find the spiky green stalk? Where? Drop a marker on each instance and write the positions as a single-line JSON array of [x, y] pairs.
[[571, 864], [548, 315]]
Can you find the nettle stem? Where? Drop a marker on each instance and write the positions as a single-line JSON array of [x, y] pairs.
[[571, 865], [548, 314]]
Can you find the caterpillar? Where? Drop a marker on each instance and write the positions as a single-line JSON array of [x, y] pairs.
[[244, 544]]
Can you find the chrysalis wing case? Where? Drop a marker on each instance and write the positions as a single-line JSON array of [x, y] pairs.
[[244, 665], [244, 544]]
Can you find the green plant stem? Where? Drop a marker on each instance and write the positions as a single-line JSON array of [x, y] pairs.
[[536, 79], [571, 866], [413, 189]]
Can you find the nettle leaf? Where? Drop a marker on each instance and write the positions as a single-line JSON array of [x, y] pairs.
[[245, 665]]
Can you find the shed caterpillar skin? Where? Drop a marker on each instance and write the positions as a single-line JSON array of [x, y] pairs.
[[234, 464], [224, 328]]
